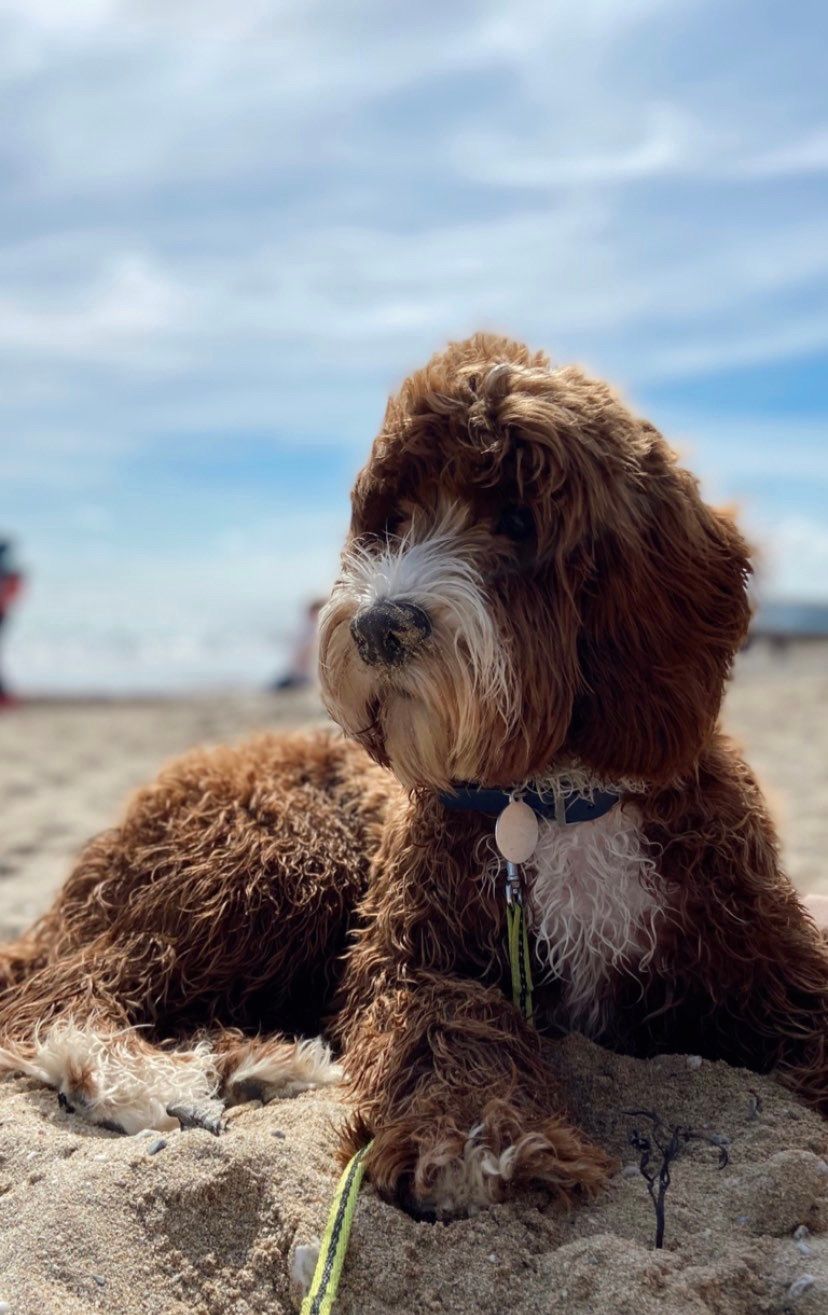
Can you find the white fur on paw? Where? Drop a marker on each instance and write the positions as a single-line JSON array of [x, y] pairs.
[[111, 1079], [303, 1264], [467, 1183], [283, 1069]]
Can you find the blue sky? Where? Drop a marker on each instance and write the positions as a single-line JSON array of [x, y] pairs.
[[226, 231]]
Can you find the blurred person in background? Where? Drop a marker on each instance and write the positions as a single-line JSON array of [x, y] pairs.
[[11, 584], [301, 668]]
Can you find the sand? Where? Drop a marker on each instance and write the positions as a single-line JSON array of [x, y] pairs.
[[190, 1224]]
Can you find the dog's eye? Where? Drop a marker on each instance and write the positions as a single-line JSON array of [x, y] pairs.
[[393, 524], [515, 523]]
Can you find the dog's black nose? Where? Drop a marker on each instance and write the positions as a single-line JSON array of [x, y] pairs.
[[388, 634]]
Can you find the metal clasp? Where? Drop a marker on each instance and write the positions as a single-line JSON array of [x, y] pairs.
[[514, 884]]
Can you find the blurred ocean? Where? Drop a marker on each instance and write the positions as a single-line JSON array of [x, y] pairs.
[[196, 647], [118, 659], [797, 619], [220, 610]]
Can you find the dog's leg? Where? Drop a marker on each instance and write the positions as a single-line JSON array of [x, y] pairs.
[[450, 1084], [227, 884], [741, 971], [113, 1077], [447, 1077], [265, 1068], [69, 1027], [107, 1072]]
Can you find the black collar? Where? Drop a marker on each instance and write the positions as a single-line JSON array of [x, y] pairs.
[[467, 798]]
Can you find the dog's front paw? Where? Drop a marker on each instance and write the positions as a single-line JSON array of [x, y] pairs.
[[439, 1169]]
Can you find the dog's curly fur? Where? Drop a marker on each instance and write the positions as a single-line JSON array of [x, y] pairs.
[[584, 606]]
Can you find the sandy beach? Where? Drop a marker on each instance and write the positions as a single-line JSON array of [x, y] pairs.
[[91, 1221]]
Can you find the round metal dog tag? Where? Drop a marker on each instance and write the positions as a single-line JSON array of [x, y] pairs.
[[516, 832]]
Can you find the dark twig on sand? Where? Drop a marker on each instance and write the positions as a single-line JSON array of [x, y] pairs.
[[658, 1150]]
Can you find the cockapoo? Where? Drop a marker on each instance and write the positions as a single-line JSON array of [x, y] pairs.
[[534, 602]]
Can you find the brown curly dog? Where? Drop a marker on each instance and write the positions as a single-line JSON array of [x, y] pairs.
[[533, 597]]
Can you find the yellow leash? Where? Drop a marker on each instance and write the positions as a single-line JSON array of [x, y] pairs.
[[520, 959], [325, 1284]]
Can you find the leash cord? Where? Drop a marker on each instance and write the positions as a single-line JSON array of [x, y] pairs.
[[520, 960], [325, 1283]]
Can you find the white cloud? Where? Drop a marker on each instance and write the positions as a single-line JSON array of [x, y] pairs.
[[126, 305], [666, 142], [740, 460], [793, 559], [738, 449], [800, 157], [140, 102]]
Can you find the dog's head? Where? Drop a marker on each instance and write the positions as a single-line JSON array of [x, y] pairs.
[[529, 575]]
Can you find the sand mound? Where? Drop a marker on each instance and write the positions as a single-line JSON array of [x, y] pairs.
[[189, 1223]]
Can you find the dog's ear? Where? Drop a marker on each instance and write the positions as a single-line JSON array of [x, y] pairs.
[[663, 613]]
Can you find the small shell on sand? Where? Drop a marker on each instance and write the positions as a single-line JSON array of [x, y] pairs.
[[801, 1285]]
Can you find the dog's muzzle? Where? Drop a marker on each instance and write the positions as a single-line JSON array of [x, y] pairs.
[[389, 634]]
